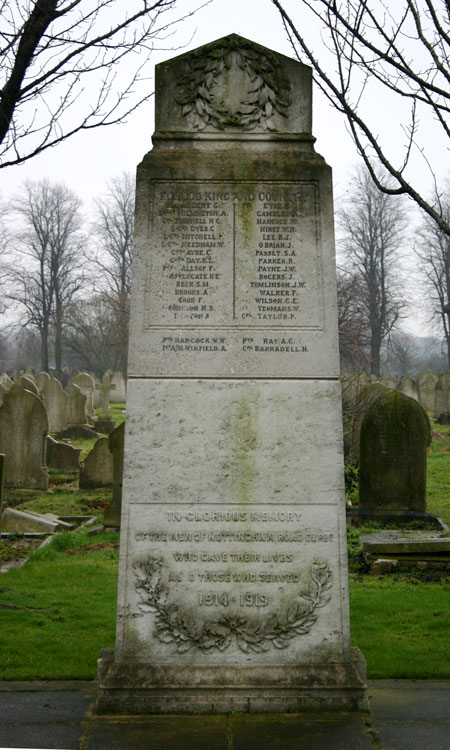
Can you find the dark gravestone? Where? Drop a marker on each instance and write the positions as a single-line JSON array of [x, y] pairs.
[[97, 470], [2, 502], [116, 445], [395, 433], [62, 456]]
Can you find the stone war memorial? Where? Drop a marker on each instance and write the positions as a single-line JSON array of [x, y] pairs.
[[233, 570]]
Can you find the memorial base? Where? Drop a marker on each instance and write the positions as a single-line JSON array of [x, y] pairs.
[[130, 688]]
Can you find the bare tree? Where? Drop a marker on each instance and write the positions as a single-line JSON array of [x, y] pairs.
[[353, 324], [113, 231], [72, 65], [47, 271], [433, 251], [397, 48], [90, 337], [372, 225]]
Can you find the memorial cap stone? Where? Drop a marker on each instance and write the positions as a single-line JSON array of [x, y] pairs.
[[232, 577]]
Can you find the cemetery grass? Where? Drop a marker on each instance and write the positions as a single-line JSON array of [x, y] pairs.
[[59, 609]]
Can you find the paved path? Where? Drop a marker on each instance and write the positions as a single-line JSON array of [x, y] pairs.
[[405, 715]]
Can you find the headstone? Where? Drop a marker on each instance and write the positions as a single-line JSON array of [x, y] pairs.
[[119, 394], [395, 433], [76, 406], [41, 380], [116, 446], [368, 396], [29, 522], [84, 381], [408, 386], [3, 390], [5, 381], [105, 422], [233, 577], [23, 433], [364, 380], [442, 395], [426, 385], [77, 432], [97, 468], [56, 402], [24, 383], [62, 456], [388, 381]]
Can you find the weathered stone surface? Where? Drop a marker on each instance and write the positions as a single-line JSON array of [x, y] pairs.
[[355, 412], [119, 394], [5, 381], [77, 432], [24, 383], [23, 431], [105, 389], [116, 446], [426, 385], [76, 406], [87, 386], [395, 433], [233, 525], [388, 381], [105, 425], [62, 456], [56, 401], [30, 522], [98, 466], [442, 395], [408, 386], [41, 380], [3, 390]]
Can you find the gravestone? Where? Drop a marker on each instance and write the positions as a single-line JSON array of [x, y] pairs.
[[3, 390], [442, 395], [23, 433], [24, 383], [56, 402], [116, 446], [62, 456], [105, 422], [426, 386], [395, 433], [97, 470], [233, 578], [5, 381], [389, 381], [408, 386], [358, 409], [76, 406], [84, 381], [119, 394]]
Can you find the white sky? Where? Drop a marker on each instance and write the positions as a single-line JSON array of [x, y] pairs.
[[86, 161]]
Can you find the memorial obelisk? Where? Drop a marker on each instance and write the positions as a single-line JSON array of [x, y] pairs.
[[233, 573]]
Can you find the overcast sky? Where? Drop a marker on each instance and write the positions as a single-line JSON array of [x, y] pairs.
[[86, 161]]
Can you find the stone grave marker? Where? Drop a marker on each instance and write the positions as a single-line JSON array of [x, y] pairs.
[[5, 381], [358, 408], [233, 568], [395, 433], [76, 406], [426, 385], [119, 394], [98, 466], [3, 390], [23, 433], [41, 379], [116, 446], [442, 395], [389, 381], [56, 402], [408, 386], [105, 422], [62, 456], [84, 381], [24, 382]]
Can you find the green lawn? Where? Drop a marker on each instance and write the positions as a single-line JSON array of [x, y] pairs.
[[58, 610]]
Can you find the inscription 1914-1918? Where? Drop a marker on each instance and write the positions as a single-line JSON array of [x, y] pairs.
[[235, 256]]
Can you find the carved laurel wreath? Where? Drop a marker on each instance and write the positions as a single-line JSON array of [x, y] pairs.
[[266, 95], [172, 626]]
